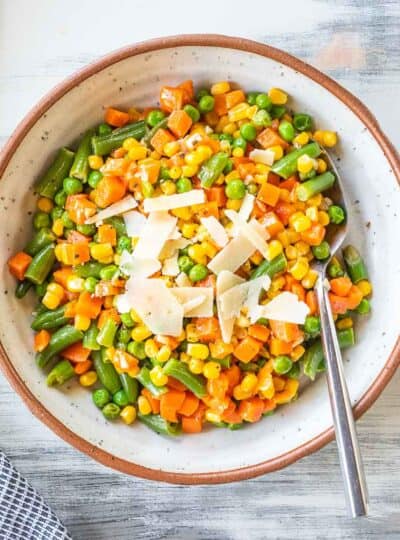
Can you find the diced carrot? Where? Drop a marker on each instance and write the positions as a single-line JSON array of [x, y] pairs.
[[175, 384], [268, 137], [88, 305], [172, 99], [273, 179], [245, 169], [259, 331], [259, 209], [251, 409], [272, 223], [284, 210], [247, 349], [120, 152], [299, 291], [170, 403], [311, 301], [179, 122], [233, 375], [79, 208], [190, 405], [109, 190], [107, 234], [314, 235], [154, 402], [339, 304], [285, 331], [82, 367], [75, 237], [115, 167], [341, 285], [278, 347], [207, 328], [41, 340], [218, 387], [61, 276], [288, 393], [149, 170], [291, 183], [18, 264], [115, 117], [107, 314], [275, 124], [220, 104], [81, 252], [231, 415], [192, 424], [206, 209], [269, 405], [187, 86], [234, 98], [269, 194], [354, 298], [217, 194], [160, 138], [76, 352]]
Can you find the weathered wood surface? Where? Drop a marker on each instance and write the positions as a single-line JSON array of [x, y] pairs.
[[357, 42]]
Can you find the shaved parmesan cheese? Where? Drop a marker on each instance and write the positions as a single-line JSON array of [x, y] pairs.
[[125, 204], [247, 206], [244, 295], [285, 307], [232, 255], [155, 304], [135, 267], [188, 294], [158, 227], [134, 223], [182, 280], [170, 202], [170, 266], [250, 232], [225, 281], [259, 228], [262, 156], [173, 246], [215, 230], [253, 295], [175, 234]]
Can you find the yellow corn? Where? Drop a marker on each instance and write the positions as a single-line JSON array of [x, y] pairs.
[[168, 187], [144, 405], [197, 253], [175, 172], [209, 249], [163, 354], [221, 87], [345, 323], [257, 258], [212, 416], [251, 111], [278, 283], [185, 358], [329, 138], [293, 236], [238, 152], [55, 288], [274, 249], [312, 213], [239, 393], [233, 204], [233, 175], [315, 201], [88, 378], [51, 300], [365, 287], [236, 133], [58, 227], [158, 377], [128, 414], [95, 162], [278, 151], [101, 251], [323, 218], [191, 158], [302, 248], [305, 164], [211, 370], [291, 252], [189, 230], [189, 170], [225, 146], [192, 334], [150, 348], [198, 350], [196, 366], [81, 322], [155, 155], [140, 332], [249, 382], [238, 112], [171, 148], [129, 143], [301, 139], [277, 96], [135, 317], [222, 122], [300, 222], [45, 205], [203, 152], [321, 165], [300, 268], [137, 152], [309, 279], [283, 239], [183, 213], [297, 353], [318, 136], [229, 128], [75, 283]]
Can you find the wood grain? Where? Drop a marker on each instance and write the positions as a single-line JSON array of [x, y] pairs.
[[356, 42]]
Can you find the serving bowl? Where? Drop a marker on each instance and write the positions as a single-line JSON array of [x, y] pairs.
[[370, 169]]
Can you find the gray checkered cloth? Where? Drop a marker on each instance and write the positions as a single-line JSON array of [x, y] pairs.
[[23, 513]]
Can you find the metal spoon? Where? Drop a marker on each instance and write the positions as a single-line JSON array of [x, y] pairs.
[[346, 435]]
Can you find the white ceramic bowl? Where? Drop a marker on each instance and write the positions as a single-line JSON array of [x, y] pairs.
[[368, 165]]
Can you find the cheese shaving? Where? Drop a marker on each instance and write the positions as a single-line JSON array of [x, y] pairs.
[[285, 307], [158, 227], [225, 281], [233, 255], [247, 207], [125, 204], [170, 202], [200, 309], [134, 223], [250, 232], [262, 156], [215, 230], [136, 267]]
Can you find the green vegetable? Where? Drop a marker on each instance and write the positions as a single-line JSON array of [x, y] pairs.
[[336, 214], [159, 425], [109, 272], [105, 144], [60, 198], [185, 264], [226, 137], [71, 186], [198, 272], [107, 333], [57, 211], [89, 269], [354, 264], [282, 364], [106, 372], [202, 92], [90, 338], [147, 190], [149, 135], [277, 111], [286, 130], [262, 118], [294, 372], [180, 371], [61, 373], [52, 180], [334, 268], [364, 307], [118, 223], [302, 122], [322, 251], [155, 117], [136, 349], [192, 112], [123, 335], [49, 319], [67, 221], [239, 142], [235, 189], [101, 397], [94, 179], [124, 244], [248, 131], [144, 378], [42, 238], [127, 320], [316, 185], [120, 398], [60, 340], [80, 166], [41, 220], [287, 166], [41, 289], [22, 288], [278, 264], [87, 230], [251, 98], [212, 169], [183, 185], [90, 284], [206, 104], [111, 411], [312, 325], [41, 265], [130, 386], [263, 101]]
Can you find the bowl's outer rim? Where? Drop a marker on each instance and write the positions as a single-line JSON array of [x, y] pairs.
[[210, 40]]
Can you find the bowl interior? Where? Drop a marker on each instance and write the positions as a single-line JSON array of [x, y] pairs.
[[374, 198]]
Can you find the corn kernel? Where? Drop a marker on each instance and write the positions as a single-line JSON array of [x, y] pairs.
[[81, 322], [238, 112], [168, 187], [155, 155], [300, 222], [58, 227], [239, 393], [249, 382], [140, 332], [182, 213], [150, 348], [211, 370], [251, 111], [309, 279], [293, 236], [158, 377], [45, 205], [315, 201], [323, 218], [51, 301], [135, 317], [189, 230], [302, 248], [257, 258], [238, 152], [175, 172], [191, 158], [274, 249], [236, 133], [278, 152], [137, 152], [144, 405], [128, 414], [185, 358], [329, 138], [343, 324], [321, 165], [196, 366], [222, 122], [221, 87], [171, 148], [277, 96], [129, 143], [192, 334], [95, 162], [203, 152], [212, 416], [301, 139], [297, 353], [197, 253], [88, 379], [163, 354], [75, 283], [365, 287], [189, 170], [101, 251], [299, 268], [55, 288], [305, 164], [318, 136], [209, 249], [198, 350], [291, 252], [233, 204], [312, 213]]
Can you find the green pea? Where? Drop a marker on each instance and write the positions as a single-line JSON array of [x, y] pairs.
[[67, 221], [336, 214], [277, 111], [251, 98], [192, 112], [201, 93], [127, 320], [104, 129], [56, 213], [154, 117], [364, 307], [263, 101], [72, 186], [282, 364], [286, 130], [312, 325], [124, 244], [108, 272], [60, 198], [322, 251], [262, 118], [239, 142], [184, 251], [185, 264], [302, 122], [252, 188], [228, 167], [94, 178], [87, 230], [41, 220], [226, 137], [248, 131], [90, 284], [40, 289], [120, 398], [206, 104], [136, 348], [164, 173], [111, 411], [335, 270], [235, 189], [101, 397], [183, 185], [198, 272], [294, 371], [147, 189]]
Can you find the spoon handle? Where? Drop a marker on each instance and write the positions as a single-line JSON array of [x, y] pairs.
[[346, 435]]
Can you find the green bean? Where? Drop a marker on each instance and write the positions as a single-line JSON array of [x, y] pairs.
[[89, 269], [80, 166], [212, 169], [42, 238], [335, 269], [131, 387], [106, 372], [223, 362], [90, 338], [106, 336], [144, 378], [105, 144], [181, 372], [278, 264], [314, 361], [316, 185], [22, 288], [52, 180], [60, 340], [159, 425], [41, 265], [49, 319], [61, 373], [364, 307], [287, 165], [354, 264], [150, 133]]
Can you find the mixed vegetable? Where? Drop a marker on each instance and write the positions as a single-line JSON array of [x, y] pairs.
[[171, 257]]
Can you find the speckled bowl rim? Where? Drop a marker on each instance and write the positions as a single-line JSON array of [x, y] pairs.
[[224, 42]]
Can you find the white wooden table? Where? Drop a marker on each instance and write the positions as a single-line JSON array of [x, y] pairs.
[[43, 41]]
